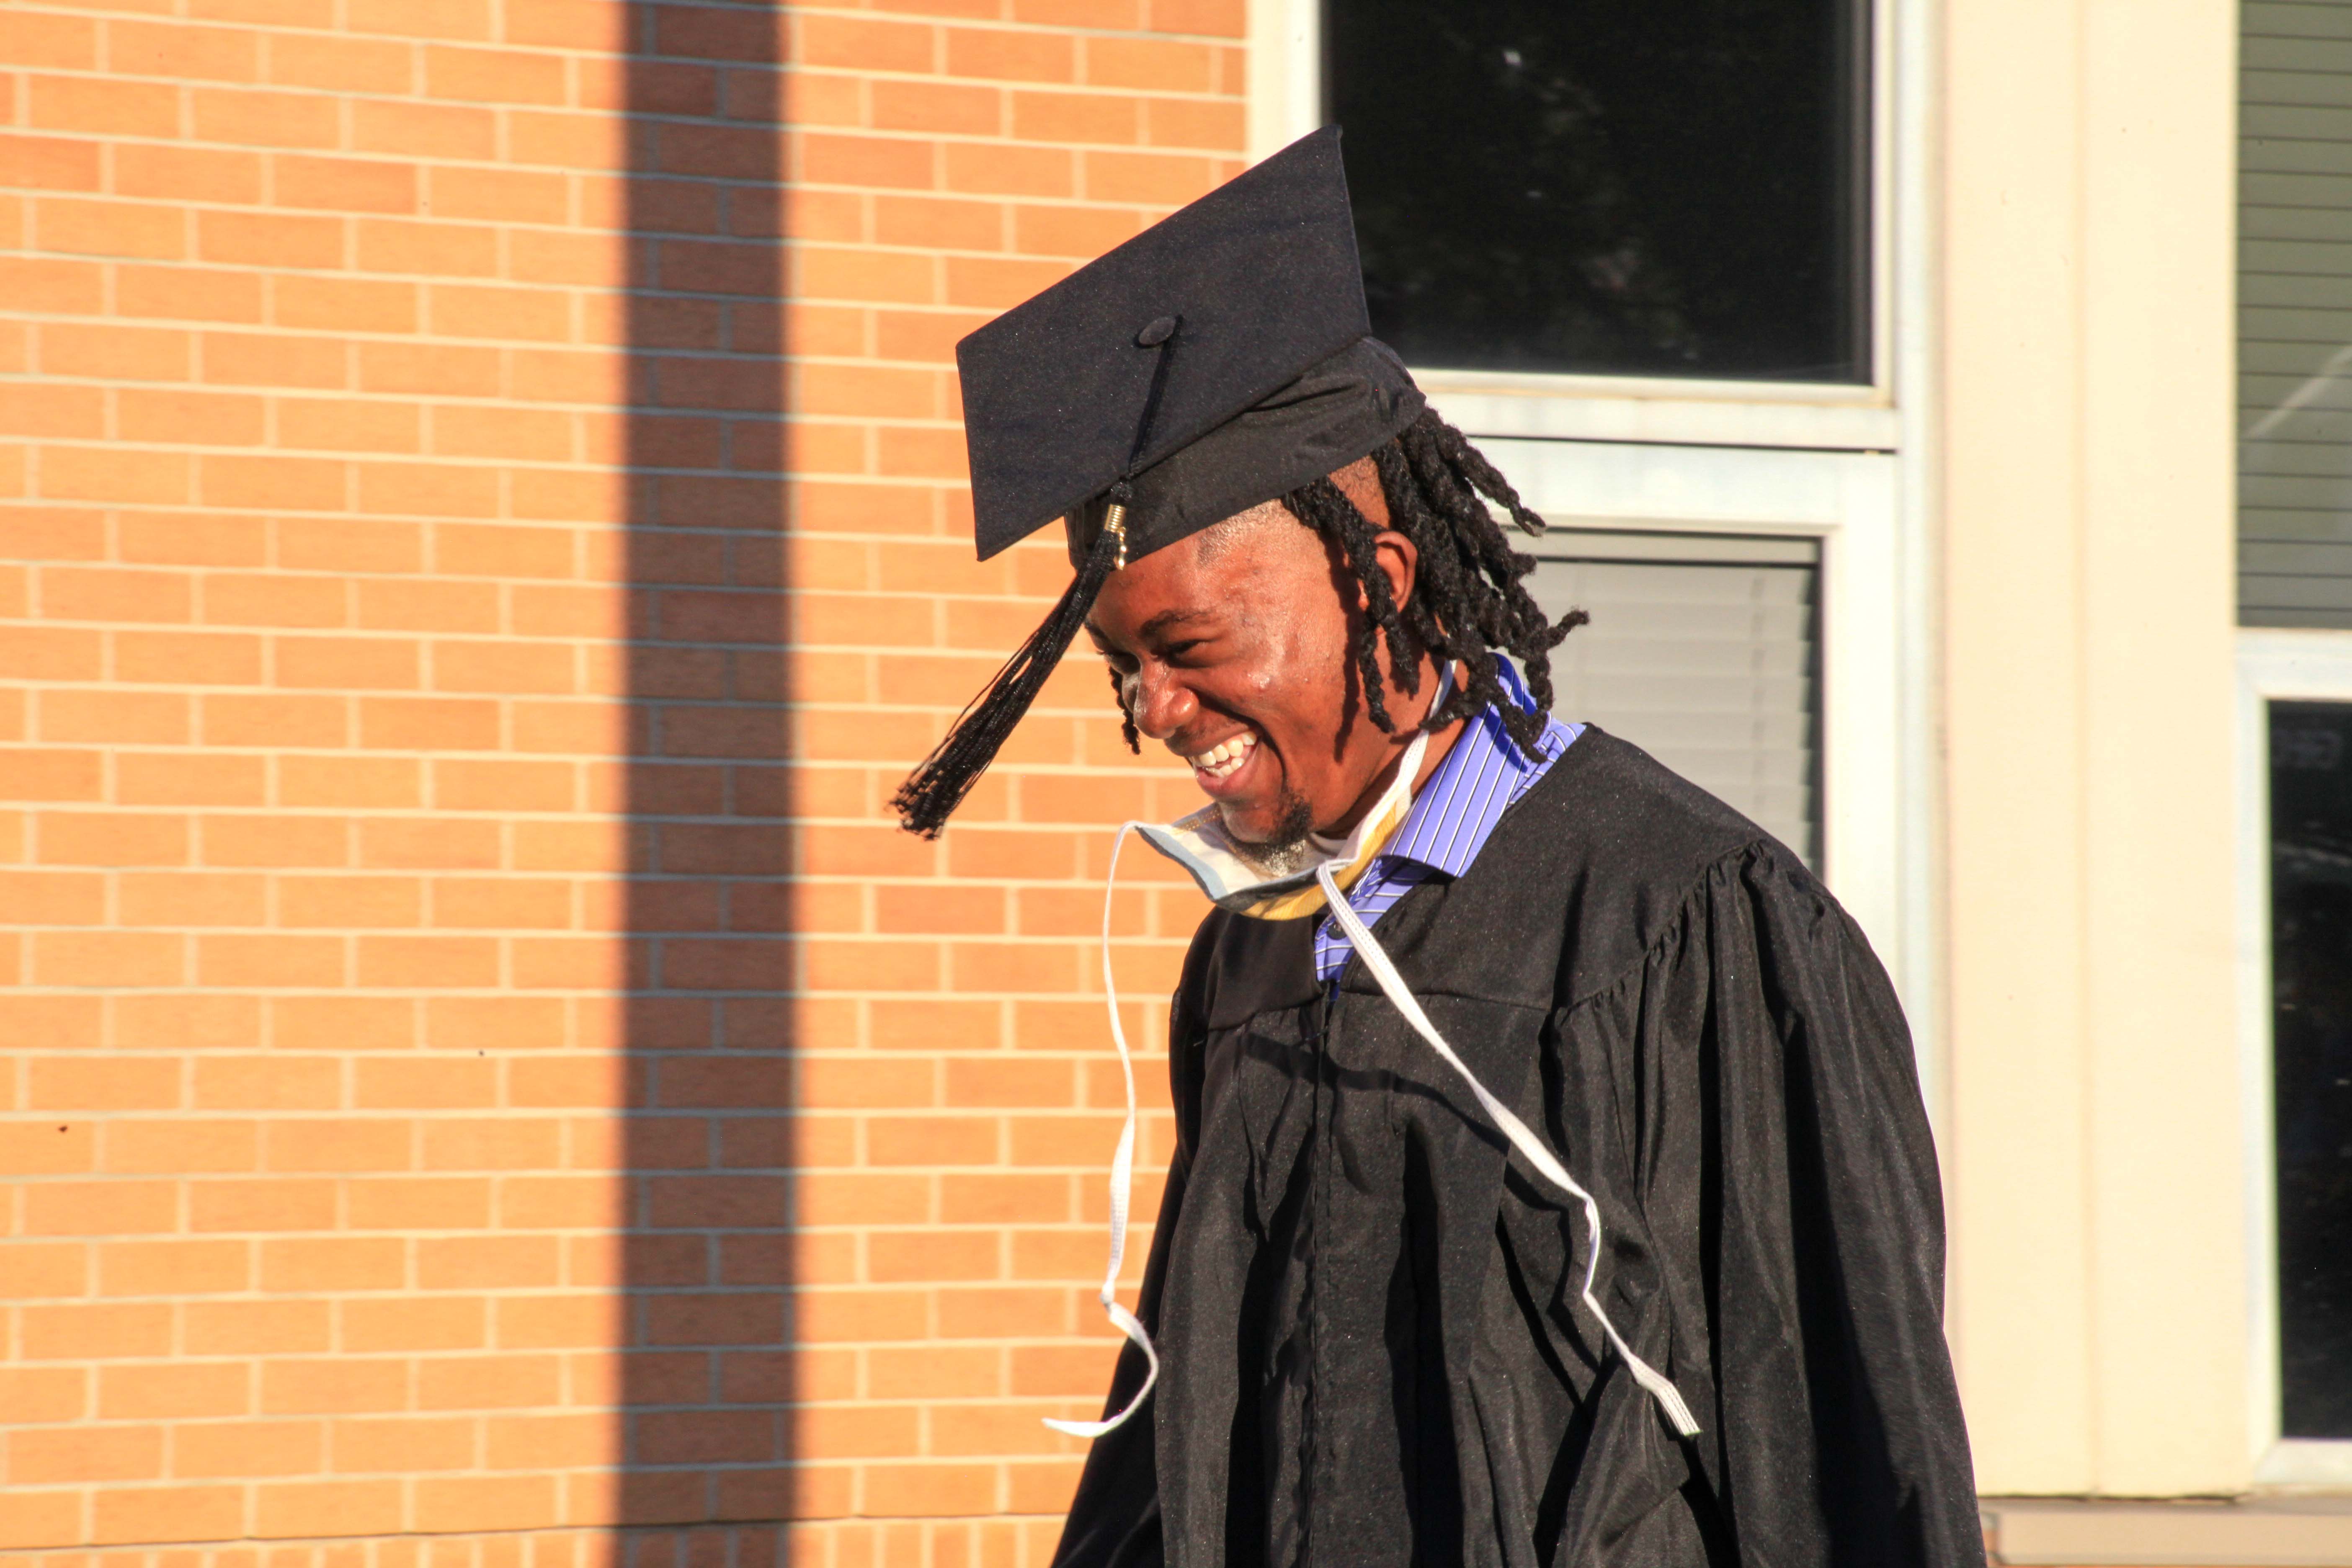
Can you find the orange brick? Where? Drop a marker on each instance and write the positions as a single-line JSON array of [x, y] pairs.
[[338, 1263], [341, 64], [46, 39], [271, 1082], [111, 838], [489, 1503], [270, 961], [428, 724], [108, 958], [114, 594], [111, 228], [113, 474], [327, 1507], [419, 961], [342, 1145], [191, 295], [343, 663], [48, 163], [248, 1448], [237, 359], [190, 539], [183, 1147], [29, 775], [45, 1148], [70, 413], [864, 46], [185, 778], [30, 1395], [487, 1383], [166, 1513], [70, 714], [271, 1204], [275, 841], [192, 1388], [98, 104], [430, 249], [270, 239], [243, 1328], [337, 1387], [186, 174], [265, 119], [174, 658], [511, 195], [418, 1323], [345, 184], [429, 368], [86, 1453], [198, 1022], [422, 131], [193, 899], [181, 53], [413, 1444], [101, 1208], [358, 782], [171, 1268], [114, 354], [344, 305], [65, 288]]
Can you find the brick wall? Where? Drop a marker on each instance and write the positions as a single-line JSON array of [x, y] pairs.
[[480, 538]]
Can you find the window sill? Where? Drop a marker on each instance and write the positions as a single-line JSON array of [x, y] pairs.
[[1673, 413], [2254, 1532]]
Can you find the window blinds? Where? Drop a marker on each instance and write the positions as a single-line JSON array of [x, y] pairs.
[[1702, 650], [2295, 315]]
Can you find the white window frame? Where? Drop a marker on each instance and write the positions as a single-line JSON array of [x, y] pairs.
[[1852, 466], [2288, 666]]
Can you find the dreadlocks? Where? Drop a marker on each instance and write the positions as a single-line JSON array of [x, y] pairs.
[[1466, 601]]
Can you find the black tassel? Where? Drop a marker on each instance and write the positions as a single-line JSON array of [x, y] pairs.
[[933, 791]]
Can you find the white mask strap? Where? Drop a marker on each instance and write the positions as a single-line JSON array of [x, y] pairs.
[[1122, 1173]]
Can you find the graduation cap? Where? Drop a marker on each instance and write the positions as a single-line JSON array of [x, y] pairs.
[[1217, 361]]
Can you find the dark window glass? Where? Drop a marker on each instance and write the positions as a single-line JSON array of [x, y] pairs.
[[1625, 187], [2311, 981]]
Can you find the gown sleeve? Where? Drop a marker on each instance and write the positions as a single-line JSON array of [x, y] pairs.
[[1837, 1431], [1114, 1520]]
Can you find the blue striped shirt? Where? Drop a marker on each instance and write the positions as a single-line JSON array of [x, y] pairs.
[[1451, 817]]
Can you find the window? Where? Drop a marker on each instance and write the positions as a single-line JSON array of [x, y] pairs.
[[2295, 315], [1625, 187], [1702, 651], [2311, 1061]]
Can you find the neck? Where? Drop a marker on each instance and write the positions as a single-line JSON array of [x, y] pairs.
[[1439, 743]]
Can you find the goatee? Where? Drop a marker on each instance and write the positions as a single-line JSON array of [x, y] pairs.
[[1285, 850]]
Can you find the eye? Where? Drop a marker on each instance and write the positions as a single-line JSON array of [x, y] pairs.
[[1178, 649]]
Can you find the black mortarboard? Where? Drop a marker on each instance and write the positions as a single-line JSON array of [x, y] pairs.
[[1217, 361]]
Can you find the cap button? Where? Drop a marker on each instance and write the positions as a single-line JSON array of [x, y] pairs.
[[1156, 333]]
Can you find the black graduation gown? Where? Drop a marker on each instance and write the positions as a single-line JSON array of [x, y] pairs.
[[1367, 1315]]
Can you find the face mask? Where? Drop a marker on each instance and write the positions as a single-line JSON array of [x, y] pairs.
[[1223, 871]]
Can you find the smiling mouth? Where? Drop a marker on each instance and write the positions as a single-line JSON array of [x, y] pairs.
[[1224, 759]]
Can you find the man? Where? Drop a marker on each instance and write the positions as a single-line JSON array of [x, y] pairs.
[[1552, 1185]]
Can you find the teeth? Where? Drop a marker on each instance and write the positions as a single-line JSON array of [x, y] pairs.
[[1220, 759]]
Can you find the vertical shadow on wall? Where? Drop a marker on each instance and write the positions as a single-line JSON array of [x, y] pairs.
[[707, 1383]]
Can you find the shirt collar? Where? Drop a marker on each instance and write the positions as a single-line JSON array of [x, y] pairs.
[[1456, 811]]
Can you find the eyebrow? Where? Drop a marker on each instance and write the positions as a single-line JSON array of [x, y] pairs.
[[1151, 628], [1167, 618]]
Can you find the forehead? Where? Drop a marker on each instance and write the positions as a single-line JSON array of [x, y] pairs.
[[1250, 561]]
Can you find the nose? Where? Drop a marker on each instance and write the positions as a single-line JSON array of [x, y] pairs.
[[1160, 703]]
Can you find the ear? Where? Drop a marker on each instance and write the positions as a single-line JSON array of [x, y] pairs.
[[1400, 563]]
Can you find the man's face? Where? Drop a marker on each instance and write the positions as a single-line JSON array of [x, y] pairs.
[[1233, 648]]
